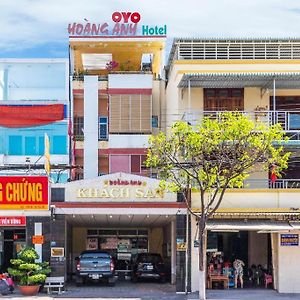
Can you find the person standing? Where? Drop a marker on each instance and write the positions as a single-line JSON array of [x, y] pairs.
[[238, 265]]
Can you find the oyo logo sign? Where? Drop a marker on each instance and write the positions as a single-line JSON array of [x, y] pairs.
[[125, 17]]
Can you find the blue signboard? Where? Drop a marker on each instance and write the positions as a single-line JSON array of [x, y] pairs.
[[289, 239]]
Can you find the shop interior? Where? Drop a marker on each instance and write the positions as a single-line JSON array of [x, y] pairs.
[[252, 248], [122, 236], [12, 240]]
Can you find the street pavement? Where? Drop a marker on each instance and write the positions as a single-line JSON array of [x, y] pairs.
[[154, 291]]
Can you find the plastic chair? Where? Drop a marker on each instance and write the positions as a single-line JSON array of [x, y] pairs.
[[268, 280]]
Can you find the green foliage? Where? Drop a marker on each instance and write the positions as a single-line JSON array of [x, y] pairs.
[[25, 270], [215, 155]]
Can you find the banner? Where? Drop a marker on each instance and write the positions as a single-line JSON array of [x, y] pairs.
[[18, 116], [24, 192]]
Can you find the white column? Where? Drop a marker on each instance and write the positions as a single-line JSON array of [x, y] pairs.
[[173, 252], [38, 247], [90, 150]]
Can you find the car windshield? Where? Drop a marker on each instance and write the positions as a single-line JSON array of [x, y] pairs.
[[154, 258]]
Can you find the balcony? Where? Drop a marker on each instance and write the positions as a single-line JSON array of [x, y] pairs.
[[289, 120]]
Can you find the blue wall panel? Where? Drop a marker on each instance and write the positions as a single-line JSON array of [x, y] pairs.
[[30, 140]]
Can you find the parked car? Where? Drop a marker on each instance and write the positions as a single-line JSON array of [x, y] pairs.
[[95, 265], [149, 265]]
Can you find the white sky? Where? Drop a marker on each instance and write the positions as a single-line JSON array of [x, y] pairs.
[[29, 23]]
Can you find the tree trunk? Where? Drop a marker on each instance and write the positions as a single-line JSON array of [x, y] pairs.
[[202, 261]]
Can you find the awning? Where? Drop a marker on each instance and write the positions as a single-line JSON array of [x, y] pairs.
[[241, 80], [252, 225], [17, 116]]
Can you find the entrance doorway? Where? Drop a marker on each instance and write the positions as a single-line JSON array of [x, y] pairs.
[[11, 242], [252, 248]]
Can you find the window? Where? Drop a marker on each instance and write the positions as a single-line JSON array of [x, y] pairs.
[[41, 145], [15, 145], [59, 144], [154, 121], [78, 128], [223, 99], [130, 113], [103, 132], [30, 146]]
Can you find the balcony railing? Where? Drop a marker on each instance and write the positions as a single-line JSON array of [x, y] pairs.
[[266, 183], [289, 120]]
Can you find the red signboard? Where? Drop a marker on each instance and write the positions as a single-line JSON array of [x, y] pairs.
[[12, 221], [24, 192]]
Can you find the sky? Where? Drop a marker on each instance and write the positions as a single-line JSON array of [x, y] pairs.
[[38, 28]]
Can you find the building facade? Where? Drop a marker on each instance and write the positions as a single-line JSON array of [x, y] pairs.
[[119, 96], [259, 78]]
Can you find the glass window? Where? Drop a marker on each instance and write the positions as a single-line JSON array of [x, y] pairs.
[[59, 144], [103, 130], [78, 127], [135, 163], [30, 146], [154, 121], [41, 145], [15, 145]]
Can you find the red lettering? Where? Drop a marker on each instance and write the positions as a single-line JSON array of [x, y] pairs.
[[126, 16], [135, 17], [79, 29], [87, 29], [116, 17], [104, 28], [71, 28], [95, 30]]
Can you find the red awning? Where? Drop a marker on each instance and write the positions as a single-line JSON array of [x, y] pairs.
[[15, 116]]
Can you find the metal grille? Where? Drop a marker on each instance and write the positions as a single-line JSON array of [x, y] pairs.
[[256, 49]]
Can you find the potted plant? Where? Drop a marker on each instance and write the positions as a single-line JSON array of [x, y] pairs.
[[28, 274]]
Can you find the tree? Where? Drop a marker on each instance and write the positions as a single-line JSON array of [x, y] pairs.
[[211, 157]]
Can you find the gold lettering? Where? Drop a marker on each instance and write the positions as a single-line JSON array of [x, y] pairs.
[[103, 193], [92, 193], [115, 193], [39, 194], [139, 193], [125, 193], [9, 192], [31, 192], [1, 192], [149, 194], [81, 193]]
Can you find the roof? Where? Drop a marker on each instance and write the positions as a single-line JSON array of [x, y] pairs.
[[241, 80], [232, 41]]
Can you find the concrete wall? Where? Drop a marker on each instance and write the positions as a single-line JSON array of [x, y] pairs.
[[90, 126], [155, 240], [288, 267], [257, 249], [264, 199]]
